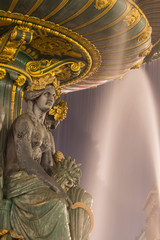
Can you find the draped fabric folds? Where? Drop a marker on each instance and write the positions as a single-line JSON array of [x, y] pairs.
[[37, 212]]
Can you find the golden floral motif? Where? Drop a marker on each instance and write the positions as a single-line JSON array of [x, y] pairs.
[[133, 16], [41, 83], [4, 233], [20, 81], [102, 4], [2, 73], [59, 111], [145, 35]]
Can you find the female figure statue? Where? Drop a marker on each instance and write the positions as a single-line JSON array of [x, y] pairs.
[[39, 203]]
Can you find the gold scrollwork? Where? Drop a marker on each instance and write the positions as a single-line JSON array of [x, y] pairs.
[[86, 48], [52, 67], [10, 43], [132, 17], [75, 67], [102, 4], [39, 68], [145, 35], [2, 73], [20, 81]]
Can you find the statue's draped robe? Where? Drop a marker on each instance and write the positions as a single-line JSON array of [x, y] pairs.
[[37, 212]]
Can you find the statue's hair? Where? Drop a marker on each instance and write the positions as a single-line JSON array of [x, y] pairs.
[[31, 96]]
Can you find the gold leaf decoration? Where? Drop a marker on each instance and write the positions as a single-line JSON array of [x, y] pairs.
[[133, 16], [51, 46], [20, 81], [145, 35], [137, 65], [41, 83], [58, 156], [2, 73], [146, 52], [59, 111], [4, 233], [102, 4]]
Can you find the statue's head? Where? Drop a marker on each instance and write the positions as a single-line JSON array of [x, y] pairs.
[[43, 91], [44, 98]]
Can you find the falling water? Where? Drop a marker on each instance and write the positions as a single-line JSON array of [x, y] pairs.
[[119, 150], [128, 145]]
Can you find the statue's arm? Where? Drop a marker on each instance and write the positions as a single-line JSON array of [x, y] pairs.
[[22, 139]]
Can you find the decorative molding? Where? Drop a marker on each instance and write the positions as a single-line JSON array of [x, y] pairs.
[[88, 50], [13, 102], [132, 18], [102, 4], [2, 73], [20, 81], [11, 42], [144, 36]]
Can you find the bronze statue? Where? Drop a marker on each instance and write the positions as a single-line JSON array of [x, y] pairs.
[[39, 202]]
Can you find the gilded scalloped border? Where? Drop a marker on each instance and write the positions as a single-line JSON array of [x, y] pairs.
[[89, 50]]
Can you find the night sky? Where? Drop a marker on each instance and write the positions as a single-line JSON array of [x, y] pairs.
[[113, 130]]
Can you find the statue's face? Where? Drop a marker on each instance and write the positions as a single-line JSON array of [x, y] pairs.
[[47, 99]]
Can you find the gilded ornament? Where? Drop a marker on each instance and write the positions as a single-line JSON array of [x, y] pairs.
[[90, 213], [14, 88], [134, 16], [77, 66], [20, 81], [145, 35], [102, 4], [11, 42], [137, 65], [58, 156], [59, 111], [62, 70], [54, 46], [16, 69], [41, 68], [146, 52], [2, 73], [86, 48], [4, 233], [51, 46], [41, 83]]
